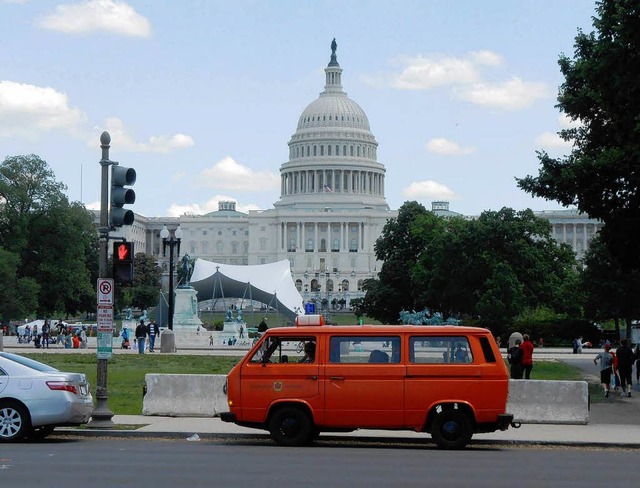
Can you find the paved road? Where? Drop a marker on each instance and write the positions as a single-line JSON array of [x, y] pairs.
[[170, 464]]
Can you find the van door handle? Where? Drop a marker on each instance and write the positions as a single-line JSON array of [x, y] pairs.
[[337, 378], [312, 377]]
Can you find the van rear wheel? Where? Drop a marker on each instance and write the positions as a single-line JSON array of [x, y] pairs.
[[451, 429], [290, 426]]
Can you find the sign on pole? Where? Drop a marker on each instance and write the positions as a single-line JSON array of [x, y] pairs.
[[105, 345], [104, 318], [105, 291]]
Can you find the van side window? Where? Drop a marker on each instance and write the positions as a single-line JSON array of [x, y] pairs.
[[286, 350], [364, 350], [439, 350], [489, 356]]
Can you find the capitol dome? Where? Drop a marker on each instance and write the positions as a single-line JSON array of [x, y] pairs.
[[333, 109], [333, 151]]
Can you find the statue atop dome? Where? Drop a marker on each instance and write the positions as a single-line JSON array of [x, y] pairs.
[[334, 59]]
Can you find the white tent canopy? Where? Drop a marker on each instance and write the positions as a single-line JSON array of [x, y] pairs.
[[270, 284]]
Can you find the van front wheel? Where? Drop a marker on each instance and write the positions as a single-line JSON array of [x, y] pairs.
[[290, 426], [451, 429]]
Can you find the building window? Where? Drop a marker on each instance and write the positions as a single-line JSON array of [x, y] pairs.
[[353, 246], [219, 247], [234, 248], [335, 245], [329, 150], [315, 150], [205, 247], [204, 232], [263, 244], [322, 150], [344, 150], [309, 247]]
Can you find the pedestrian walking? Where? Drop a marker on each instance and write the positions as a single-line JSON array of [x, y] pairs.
[[153, 331], [606, 368], [626, 358], [46, 329], [514, 356], [141, 336], [527, 356], [262, 326]]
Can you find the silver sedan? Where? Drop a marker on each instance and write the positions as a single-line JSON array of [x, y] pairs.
[[36, 398]]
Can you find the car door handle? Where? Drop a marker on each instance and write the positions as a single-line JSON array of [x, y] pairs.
[[312, 377], [337, 378]]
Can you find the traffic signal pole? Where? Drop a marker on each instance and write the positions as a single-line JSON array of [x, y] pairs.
[[101, 415]]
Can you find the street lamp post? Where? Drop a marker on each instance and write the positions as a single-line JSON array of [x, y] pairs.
[[172, 241]]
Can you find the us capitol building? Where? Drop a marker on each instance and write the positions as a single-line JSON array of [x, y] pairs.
[[331, 211]]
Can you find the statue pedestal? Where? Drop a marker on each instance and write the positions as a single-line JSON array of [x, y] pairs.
[[185, 314], [231, 332]]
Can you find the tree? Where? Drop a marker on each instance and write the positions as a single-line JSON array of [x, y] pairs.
[[55, 240], [17, 295], [611, 292], [146, 281], [492, 267], [393, 290], [601, 92], [145, 290]]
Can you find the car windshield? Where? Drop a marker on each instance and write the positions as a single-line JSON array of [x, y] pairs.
[[29, 363]]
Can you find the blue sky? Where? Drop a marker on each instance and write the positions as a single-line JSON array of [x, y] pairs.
[[202, 96]]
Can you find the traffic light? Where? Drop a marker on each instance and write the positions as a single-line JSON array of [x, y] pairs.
[[123, 263], [120, 196]]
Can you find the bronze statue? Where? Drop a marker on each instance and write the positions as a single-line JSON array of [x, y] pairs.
[[334, 46]]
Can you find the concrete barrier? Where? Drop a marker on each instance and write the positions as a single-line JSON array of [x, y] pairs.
[[184, 395], [549, 402], [202, 395]]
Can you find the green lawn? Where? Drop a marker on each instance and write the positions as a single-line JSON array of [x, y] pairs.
[[126, 372]]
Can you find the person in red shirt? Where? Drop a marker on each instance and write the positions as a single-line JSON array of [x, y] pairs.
[[527, 356]]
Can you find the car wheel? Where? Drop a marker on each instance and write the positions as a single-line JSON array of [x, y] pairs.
[[290, 426], [451, 429], [40, 433], [14, 421]]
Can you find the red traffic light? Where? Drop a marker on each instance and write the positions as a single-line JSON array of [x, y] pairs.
[[123, 262], [123, 253]]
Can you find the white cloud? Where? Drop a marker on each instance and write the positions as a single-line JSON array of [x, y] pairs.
[[156, 144], [514, 94], [429, 190], [228, 174], [552, 140], [440, 145], [424, 72], [486, 58], [97, 15], [93, 205], [28, 110], [176, 210]]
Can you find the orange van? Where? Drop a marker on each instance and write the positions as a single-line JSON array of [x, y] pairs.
[[297, 382]]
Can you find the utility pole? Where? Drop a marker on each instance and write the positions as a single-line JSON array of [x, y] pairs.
[[101, 416]]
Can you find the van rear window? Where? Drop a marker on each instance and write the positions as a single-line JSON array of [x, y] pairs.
[[364, 350], [489, 356], [439, 350]]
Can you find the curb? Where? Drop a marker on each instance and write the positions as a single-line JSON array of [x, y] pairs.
[[425, 442]]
